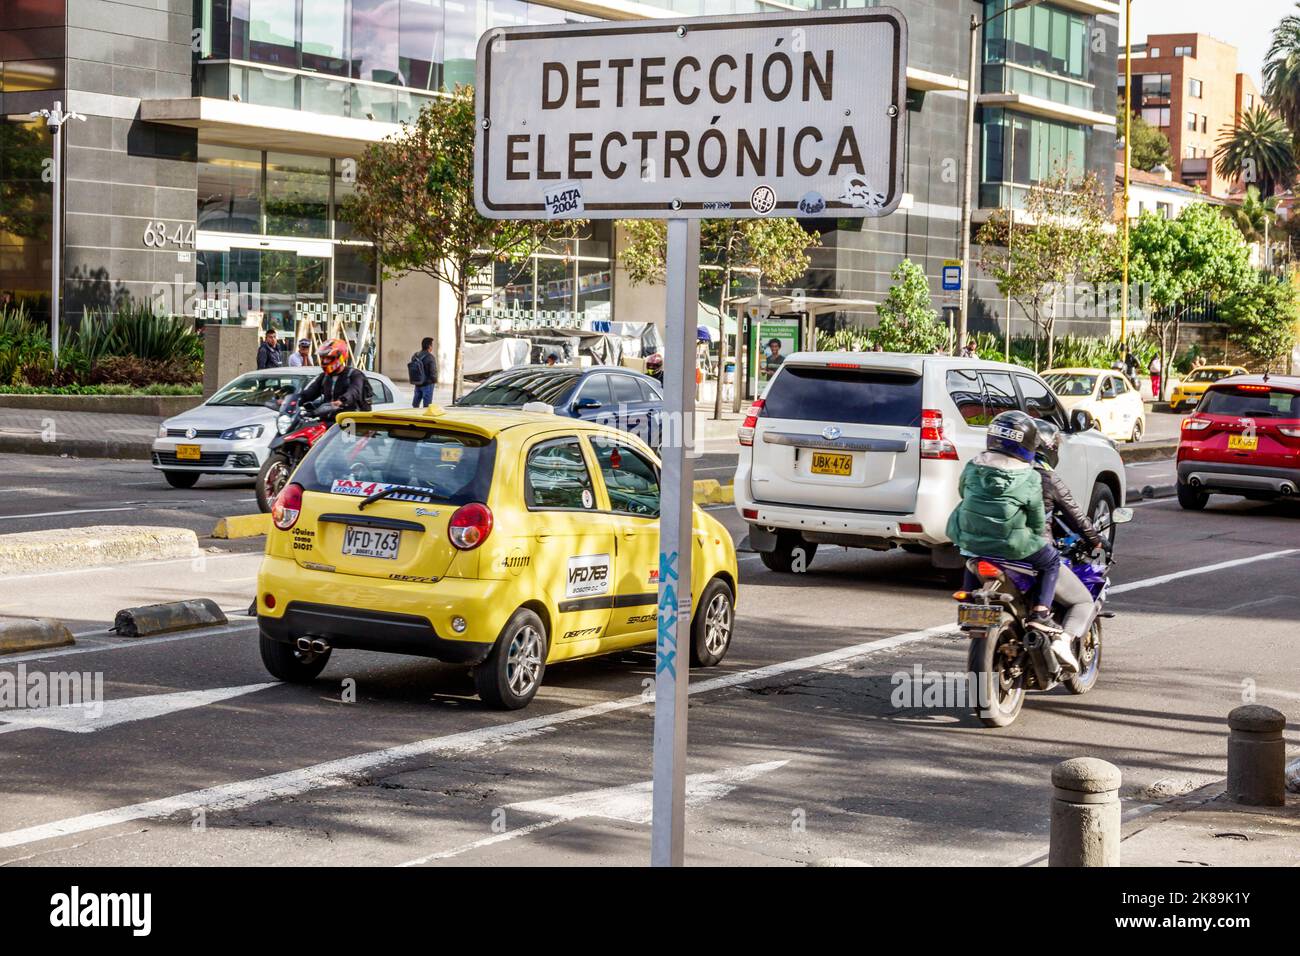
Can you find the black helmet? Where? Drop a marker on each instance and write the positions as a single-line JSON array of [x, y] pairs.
[[1014, 433], [1049, 442]]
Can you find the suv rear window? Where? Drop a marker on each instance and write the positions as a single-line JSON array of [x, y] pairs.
[[1250, 401], [446, 465], [817, 393]]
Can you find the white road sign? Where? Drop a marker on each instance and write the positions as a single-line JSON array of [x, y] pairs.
[[791, 114]]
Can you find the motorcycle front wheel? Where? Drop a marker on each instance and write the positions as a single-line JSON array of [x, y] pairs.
[[1088, 651], [1001, 694], [272, 478]]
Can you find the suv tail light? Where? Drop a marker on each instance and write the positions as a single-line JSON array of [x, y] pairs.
[[287, 507], [746, 433], [933, 445], [1290, 431], [1195, 424], [470, 526]]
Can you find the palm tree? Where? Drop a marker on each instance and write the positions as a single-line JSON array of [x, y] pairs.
[[1255, 218], [1282, 70], [1259, 150]]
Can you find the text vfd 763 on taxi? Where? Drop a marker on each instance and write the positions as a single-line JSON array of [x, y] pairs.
[[504, 540]]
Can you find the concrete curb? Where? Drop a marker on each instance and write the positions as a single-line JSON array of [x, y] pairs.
[[1148, 451], [154, 619], [155, 406], [242, 526], [32, 634], [92, 546], [75, 447]]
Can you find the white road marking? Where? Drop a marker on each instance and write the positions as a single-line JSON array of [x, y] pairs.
[[629, 803], [124, 643], [1204, 569], [81, 718], [338, 772], [60, 514]]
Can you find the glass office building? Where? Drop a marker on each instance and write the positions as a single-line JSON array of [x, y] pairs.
[[222, 135]]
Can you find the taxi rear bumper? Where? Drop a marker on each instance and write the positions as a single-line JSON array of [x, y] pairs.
[[368, 630]]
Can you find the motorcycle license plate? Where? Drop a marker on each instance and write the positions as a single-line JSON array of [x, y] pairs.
[[978, 615], [824, 464], [1243, 442], [187, 452], [369, 543]]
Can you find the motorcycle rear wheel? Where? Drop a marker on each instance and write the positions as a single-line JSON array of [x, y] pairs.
[[1088, 652], [1004, 694], [273, 477]]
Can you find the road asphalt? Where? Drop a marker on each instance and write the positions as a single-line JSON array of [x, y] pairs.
[[801, 750]]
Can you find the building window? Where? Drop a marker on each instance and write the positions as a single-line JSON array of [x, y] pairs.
[[1163, 210], [1154, 51], [229, 189], [1191, 122], [1182, 51], [1156, 115], [297, 195], [1194, 89], [1039, 38], [1205, 124], [1250, 101]]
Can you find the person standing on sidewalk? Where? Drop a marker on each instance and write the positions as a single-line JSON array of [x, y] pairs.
[[1154, 370], [423, 372], [268, 353], [302, 357]]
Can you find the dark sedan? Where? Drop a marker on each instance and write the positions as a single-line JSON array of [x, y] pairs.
[[613, 396]]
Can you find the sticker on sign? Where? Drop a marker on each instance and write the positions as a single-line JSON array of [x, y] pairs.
[[771, 114]]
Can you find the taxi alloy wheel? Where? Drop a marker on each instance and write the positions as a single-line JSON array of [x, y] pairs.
[[713, 625], [512, 673]]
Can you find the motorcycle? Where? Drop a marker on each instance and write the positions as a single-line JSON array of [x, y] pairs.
[[1007, 657], [298, 427]]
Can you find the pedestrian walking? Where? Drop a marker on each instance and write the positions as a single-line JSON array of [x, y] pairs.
[[268, 353], [302, 357], [1155, 370], [1131, 367], [423, 373]]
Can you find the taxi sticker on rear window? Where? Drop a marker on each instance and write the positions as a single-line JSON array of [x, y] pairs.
[[364, 489], [588, 575], [452, 453]]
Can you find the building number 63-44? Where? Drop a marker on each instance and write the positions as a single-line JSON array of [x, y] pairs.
[[156, 235]]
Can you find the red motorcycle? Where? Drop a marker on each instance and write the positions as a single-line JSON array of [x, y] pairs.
[[298, 427]]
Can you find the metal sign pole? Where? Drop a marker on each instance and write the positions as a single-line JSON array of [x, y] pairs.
[[676, 503]]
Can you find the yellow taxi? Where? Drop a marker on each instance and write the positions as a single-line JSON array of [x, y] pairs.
[[1105, 394], [503, 539], [1187, 393]]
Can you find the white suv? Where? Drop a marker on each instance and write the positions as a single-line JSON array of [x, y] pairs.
[[863, 449]]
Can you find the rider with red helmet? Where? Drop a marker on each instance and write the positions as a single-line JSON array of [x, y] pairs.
[[339, 387]]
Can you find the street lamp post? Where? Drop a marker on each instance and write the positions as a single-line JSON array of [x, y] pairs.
[[972, 81], [54, 120], [1128, 149]]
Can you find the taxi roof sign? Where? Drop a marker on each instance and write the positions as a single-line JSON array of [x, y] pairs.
[[791, 114]]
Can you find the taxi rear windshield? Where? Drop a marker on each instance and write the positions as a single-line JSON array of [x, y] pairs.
[[1250, 401], [431, 464]]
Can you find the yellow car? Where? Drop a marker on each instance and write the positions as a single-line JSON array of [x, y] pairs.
[[506, 540], [1188, 392], [1107, 395]]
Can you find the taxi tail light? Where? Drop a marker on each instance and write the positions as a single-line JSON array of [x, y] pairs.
[[933, 445], [746, 432], [287, 507], [470, 526]]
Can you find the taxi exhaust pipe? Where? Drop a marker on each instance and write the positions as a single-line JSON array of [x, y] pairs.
[[309, 646], [304, 645], [319, 647]]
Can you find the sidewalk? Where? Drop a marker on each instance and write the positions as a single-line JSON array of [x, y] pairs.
[[1205, 829]]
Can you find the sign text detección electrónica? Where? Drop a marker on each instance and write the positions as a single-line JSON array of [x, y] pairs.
[[797, 114]]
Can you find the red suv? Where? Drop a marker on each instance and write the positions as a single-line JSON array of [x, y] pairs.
[[1243, 439]]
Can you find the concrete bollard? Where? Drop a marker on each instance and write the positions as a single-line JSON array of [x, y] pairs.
[[1085, 813], [1256, 756]]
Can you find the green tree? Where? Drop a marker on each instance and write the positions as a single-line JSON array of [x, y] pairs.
[[773, 249], [1282, 70], [1255, 218], [1257, 150], [1150, 147], [1062, 238], [1262, 319], [1174, 264], [908, 322], [414, 200]]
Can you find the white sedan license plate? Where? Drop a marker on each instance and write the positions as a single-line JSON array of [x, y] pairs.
[[369, 543]]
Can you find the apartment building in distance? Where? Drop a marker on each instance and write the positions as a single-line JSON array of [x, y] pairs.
[[1188, 85]]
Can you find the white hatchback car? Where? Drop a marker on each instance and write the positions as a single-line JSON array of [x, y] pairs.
[[230, 433], [864, 449]]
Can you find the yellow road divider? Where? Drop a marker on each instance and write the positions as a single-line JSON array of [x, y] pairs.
[[242, 526]]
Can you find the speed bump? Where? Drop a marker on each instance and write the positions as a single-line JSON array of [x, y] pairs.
[[242, 526], [164, 618]]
